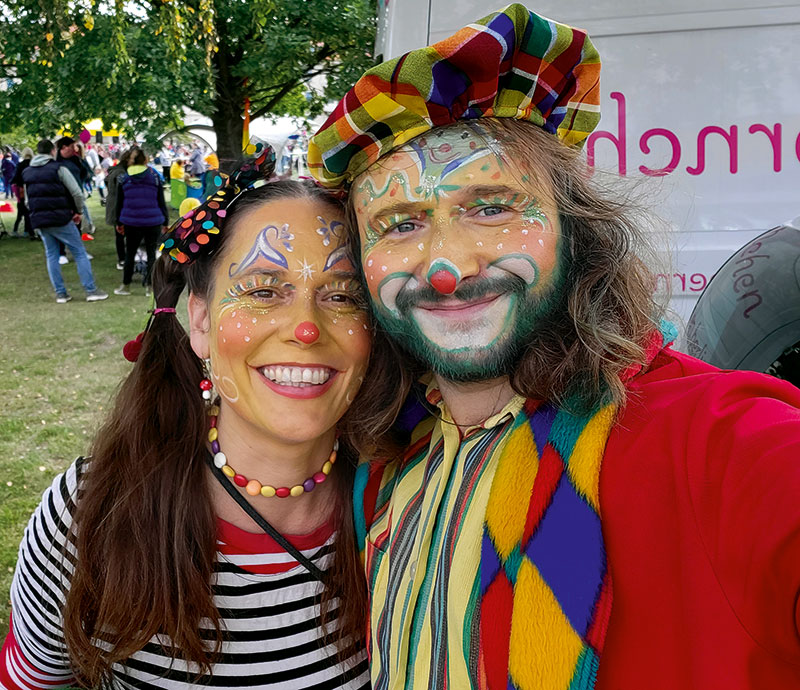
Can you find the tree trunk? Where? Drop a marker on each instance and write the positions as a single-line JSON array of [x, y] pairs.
[[228, 126], [228, 116]]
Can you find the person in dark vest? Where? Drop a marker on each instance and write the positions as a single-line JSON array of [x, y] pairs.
[[54, 199], [142, 213], [112, 208]]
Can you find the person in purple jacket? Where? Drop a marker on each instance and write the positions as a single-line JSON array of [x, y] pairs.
[[141, 215]]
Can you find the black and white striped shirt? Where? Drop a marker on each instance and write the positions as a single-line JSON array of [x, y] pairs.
[[268, 606]]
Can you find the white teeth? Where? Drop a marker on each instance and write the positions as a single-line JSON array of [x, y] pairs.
[[297, 376]]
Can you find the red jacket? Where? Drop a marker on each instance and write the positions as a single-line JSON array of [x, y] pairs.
[[700, 502]]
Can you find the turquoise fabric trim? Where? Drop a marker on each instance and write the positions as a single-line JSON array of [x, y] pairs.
[[585, 675], [669, 331], [359, 518]]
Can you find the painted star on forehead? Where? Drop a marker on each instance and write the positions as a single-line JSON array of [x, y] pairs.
[[306, 270]]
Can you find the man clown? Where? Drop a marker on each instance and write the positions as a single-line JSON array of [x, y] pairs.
[[583, 507]]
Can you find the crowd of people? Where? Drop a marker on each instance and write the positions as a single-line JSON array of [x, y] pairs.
[[130, 186], [425, 428]]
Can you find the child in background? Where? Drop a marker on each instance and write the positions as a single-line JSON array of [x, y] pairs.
[[100, 183]]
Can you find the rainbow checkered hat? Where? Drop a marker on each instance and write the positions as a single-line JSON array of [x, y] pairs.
[[511, 63]]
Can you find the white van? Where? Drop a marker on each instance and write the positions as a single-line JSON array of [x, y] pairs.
[[702, 94]]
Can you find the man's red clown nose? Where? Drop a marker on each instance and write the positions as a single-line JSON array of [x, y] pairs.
[[443, 282], [306, 332]]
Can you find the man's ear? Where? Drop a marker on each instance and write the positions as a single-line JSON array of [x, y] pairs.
[[199, 326]]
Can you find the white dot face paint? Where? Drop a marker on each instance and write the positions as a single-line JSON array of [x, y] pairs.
[[254, 316], [473, 209]]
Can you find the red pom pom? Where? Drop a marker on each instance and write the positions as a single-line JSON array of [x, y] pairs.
[[132, 348]]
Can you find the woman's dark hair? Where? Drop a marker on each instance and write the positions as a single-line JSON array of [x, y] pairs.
[[137, 157], [145, 528], [606, 310]]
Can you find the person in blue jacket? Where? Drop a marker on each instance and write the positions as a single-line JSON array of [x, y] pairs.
[[141, 215]]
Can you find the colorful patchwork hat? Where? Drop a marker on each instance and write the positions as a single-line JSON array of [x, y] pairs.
[[511, 63], [197, 232]]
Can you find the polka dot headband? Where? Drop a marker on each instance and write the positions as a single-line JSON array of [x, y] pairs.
[[197, 233]]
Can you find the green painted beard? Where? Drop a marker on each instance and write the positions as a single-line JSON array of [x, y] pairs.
[[527, 312]]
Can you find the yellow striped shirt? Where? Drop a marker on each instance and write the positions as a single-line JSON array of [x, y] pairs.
[[423, 548]]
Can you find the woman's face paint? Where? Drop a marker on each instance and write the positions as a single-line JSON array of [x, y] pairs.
[[461, 257], [284, 273]]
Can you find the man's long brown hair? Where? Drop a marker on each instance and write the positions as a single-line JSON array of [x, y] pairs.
[[606, 308], [144, 528]]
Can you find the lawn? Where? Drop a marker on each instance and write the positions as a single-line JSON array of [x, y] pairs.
[[60, 365]]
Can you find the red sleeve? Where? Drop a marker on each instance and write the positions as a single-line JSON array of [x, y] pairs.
[[746, 494], [18, 673]]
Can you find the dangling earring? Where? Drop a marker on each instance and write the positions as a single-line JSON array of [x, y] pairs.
[[205, 383]]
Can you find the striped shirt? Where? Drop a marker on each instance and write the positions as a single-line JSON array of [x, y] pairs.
[[268, 604], [422, 519]]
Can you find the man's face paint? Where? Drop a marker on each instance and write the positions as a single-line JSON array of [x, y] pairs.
[[289, 338], [461, 257]]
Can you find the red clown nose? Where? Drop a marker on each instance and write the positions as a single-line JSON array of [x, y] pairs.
[[443, 282], [306, 332]]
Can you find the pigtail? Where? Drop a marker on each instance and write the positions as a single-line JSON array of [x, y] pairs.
[[145, 560]]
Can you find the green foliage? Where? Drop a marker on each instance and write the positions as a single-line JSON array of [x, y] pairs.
[[20, 137], [60, 365], [138, 64]]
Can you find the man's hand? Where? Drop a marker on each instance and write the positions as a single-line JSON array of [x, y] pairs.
[[121, 229], [76, 219]]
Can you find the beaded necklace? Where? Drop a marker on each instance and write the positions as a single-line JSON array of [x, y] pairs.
[[252, 486]]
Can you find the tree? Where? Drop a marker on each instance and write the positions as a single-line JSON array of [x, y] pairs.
[[138, 63]]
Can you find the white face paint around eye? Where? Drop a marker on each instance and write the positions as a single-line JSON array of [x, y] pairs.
[[473, 219]]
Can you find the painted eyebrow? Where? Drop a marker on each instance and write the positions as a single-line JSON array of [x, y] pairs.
[[471, 191], [342, 275], [267, 272], [487, 190]]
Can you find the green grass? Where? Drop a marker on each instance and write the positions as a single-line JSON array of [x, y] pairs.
[[60, 365]]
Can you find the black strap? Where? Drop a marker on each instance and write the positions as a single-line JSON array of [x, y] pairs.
[[262, 523]]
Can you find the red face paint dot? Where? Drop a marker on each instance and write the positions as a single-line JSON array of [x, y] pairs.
[[306, 332], [443, 282]]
